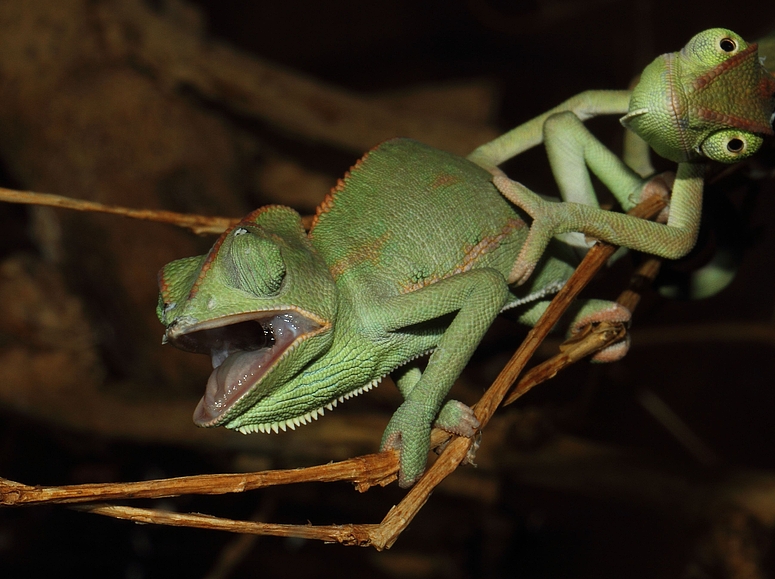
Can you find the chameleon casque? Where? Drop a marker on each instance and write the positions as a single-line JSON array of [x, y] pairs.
[[416, 250]]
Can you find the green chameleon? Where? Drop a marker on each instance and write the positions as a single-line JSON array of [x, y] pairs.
[[415, 251]]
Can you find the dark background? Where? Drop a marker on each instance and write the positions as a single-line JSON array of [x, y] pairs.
[[579, 479]]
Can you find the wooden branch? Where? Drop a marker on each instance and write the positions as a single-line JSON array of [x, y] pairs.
[[571, 352], [565, 465], [363, 471], [199, 224]]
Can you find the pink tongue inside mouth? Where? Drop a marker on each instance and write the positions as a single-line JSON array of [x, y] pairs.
[[230, 380]]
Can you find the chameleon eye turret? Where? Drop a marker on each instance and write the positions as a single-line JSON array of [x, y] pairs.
[[731, 145], [253, 263]]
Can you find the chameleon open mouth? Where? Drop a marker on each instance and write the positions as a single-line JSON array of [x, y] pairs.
[[242, 349]]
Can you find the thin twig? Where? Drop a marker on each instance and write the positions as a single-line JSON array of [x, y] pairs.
[[344, 534], [605, 334], [199, 224]]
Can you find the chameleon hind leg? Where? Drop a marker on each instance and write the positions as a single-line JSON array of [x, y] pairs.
[[585, 312]]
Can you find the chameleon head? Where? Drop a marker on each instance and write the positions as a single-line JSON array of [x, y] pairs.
[[261, 293], [713, 99]]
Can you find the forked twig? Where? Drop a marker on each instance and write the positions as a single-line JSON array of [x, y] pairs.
[[364, 471]]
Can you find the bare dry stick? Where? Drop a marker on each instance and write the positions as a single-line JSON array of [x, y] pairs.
[[643, 277], [363, 471], [571, 352], [353, 535], [596, 338], [199, 224]]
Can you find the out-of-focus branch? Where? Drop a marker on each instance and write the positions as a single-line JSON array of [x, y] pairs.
[[181, 56]]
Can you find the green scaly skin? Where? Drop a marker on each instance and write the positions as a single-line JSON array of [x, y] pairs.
[[410, 254]]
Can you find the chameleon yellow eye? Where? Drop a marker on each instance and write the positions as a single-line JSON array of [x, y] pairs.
[[713, 46], [730, 146]]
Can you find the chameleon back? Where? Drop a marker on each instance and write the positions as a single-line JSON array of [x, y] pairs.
[[411, 215]]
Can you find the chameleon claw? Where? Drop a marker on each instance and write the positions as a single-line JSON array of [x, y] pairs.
[[457, 418], [614, 313], [521, 272], [660, 186], [408, 433]]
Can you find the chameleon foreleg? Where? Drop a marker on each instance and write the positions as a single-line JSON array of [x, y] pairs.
[[636, 154], [573, 151], [712, 277], [585, 105], [477, 296], [671, 241]]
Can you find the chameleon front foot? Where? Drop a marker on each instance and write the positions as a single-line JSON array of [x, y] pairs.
[[409, 432], [457, 418]]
